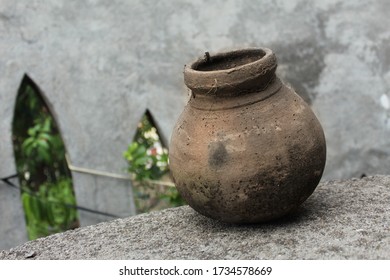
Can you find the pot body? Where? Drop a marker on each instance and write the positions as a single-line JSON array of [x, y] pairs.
[[248, 156]]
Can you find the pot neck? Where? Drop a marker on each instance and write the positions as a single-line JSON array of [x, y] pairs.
[[209, 103], [232, 73]]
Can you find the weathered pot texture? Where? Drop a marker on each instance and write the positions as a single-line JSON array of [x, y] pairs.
[[247, 148]]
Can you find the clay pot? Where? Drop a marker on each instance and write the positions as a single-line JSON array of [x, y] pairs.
[[246, 148]]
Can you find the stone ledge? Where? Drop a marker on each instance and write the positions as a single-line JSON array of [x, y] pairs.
[[341, 220]]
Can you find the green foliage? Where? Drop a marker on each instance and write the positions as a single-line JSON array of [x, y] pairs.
[[41, 165], [172, 197], [147, 162], [38, 148], [47, 211]]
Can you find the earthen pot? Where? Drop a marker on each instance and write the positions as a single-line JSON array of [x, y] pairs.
[[246, 148]]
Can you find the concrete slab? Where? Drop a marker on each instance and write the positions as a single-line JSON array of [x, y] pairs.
[[342, 220]]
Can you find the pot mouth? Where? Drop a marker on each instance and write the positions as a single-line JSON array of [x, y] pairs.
[[232, 72], [228, 60]]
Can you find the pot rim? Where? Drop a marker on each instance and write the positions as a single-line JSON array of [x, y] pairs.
[[257, 71]]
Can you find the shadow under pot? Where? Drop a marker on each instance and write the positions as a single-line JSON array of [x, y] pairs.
[[246, 148]]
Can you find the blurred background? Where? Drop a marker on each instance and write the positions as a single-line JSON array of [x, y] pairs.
[[90, 91]]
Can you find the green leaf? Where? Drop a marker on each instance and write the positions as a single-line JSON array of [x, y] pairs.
[[141, 151], [43, 143], [28, 142], [47, 125], [46, 136], [32, 131], [142, 161], [43, 154], [133, 147], [29, 150]]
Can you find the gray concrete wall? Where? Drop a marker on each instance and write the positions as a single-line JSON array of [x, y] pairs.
[[102, 63], [12, 224]]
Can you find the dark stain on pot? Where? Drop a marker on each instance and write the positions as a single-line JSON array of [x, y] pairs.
[[218, 155]]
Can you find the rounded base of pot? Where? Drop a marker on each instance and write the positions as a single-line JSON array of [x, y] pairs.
[[245, 204], [249, 220]]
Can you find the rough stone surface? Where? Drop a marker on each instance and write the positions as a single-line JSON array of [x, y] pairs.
[[102, 63], [341, 220]]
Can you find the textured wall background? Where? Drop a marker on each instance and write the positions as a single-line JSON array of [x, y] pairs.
[[102, 63]]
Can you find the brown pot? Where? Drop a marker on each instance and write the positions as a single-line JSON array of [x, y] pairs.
[[246, 148]]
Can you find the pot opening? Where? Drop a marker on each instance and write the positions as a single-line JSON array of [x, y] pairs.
[[228, 60]]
